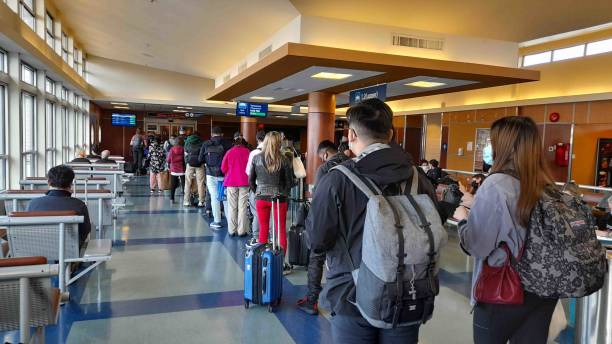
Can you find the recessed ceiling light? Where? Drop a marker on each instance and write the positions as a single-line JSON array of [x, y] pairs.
[[331, 76], [261, 98], [281, 116], [298, 114], [229, 113], [425, 84], [121, 107], [184, 107], [124, 104], [179, 110], [216, 102]]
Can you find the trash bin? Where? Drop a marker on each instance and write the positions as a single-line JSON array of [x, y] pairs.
[[594, 314]]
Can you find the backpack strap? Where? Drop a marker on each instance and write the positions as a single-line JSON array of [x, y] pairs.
[[364, 184], [414, 189]]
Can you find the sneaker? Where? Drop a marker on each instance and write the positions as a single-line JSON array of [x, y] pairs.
[[216, 225], [186, 204], [287, 269], [160, 191], [308, 305], [152, 191], [252, 242], [200, 204]]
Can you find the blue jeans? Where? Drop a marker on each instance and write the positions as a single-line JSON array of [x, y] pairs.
[[255, 223], [356, 330], [211, 184]]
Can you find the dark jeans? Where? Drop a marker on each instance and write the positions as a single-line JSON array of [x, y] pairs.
[[356, 330], [137, 154], [315, 274], [526, 323], [174, 183]]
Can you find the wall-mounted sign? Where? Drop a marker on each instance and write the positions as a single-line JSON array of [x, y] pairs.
[[251, 109], [378, 91]]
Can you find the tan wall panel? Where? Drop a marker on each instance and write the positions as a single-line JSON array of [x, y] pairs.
[[536, 112], [582, 112], [601, 112], [433, 138], [459, 134], [585, 150]]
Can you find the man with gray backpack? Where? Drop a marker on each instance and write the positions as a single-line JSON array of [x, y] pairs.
[[377, 219]]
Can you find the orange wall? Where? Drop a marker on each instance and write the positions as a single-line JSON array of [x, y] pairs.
[[585, 150]]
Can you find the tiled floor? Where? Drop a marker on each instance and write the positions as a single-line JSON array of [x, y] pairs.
[[173, 280]]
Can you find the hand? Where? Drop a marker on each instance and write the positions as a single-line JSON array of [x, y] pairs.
[[462, 187], [461, 213]]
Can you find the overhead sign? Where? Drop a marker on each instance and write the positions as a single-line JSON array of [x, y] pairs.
[[251, 109], [378, 91]]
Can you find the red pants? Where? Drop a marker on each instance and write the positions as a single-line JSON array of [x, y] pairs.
[[263, 214]]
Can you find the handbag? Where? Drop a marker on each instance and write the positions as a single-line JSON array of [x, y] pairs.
[[221, 191], [164, 180], [298, 167], [500, 285]]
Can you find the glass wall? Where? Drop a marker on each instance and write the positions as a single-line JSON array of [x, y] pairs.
[[28, 135], [50, 135]]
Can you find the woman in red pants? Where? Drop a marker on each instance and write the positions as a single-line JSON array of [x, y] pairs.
[[271, 178]]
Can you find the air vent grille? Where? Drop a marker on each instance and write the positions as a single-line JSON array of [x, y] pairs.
[[418, 42], [263, 53]]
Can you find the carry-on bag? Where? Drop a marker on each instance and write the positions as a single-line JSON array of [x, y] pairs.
[[298, 246], [263, 282]]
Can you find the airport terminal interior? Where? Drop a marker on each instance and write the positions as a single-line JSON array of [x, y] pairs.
[[113, 89]]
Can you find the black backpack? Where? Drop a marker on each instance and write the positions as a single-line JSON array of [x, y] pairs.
[[193, 156], [214, 157]]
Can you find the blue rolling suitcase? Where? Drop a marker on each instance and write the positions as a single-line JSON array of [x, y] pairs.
[[263, 271]]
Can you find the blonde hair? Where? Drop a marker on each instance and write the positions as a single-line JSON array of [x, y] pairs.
[[517, 146], [272, 151]]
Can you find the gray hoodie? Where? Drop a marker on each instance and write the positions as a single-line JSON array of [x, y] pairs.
[[492, 220]]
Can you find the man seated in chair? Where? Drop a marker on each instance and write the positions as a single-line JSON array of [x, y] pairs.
[[105, 158], [59, 197]]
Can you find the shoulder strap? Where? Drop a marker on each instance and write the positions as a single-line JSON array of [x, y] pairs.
[[414, 189], [370, 189]]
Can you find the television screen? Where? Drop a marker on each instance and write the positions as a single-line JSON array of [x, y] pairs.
[[251, 109], [123, 120]]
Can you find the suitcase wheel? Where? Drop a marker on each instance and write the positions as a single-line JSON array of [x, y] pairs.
[[246, 304]]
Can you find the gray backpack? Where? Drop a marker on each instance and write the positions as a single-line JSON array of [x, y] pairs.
[[397, 282]]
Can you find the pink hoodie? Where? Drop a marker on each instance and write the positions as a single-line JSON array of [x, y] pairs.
[[234, 167]]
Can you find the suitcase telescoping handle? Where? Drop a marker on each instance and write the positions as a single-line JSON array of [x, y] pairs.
[[275, 220]]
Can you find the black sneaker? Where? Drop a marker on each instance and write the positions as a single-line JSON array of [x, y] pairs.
[[308, 305], [287, 269]]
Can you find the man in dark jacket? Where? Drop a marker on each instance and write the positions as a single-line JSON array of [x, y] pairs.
[[310, 303], [59, 198], [211, 155], [194, 170], [337, 201]]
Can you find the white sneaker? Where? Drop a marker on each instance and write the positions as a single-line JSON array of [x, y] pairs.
[[186, 204], [200, 204]]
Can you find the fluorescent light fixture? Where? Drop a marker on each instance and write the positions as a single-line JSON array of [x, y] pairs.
[[568, 53], [298, 114], [216, 102], [599, 47], [179, 110], [121, 107], [229, 113], [123, 104], [331, 76], [262, 98], [539, 58], [184, 107], [425, 84], [281, 116]]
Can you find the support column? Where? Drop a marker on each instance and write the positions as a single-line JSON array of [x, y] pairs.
[[248, 128], [321, 124]]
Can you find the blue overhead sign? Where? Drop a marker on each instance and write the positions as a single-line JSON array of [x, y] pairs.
[[251, 109], [378, 91]]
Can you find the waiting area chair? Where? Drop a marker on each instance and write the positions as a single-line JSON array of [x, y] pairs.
[[55, 236], [27, 298]]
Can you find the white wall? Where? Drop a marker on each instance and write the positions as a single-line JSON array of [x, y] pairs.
[[121, 81]]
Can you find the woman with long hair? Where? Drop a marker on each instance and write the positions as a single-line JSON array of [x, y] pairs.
[[271, 177], [176, 163], [157, 164], [499, 217], [236, 182]]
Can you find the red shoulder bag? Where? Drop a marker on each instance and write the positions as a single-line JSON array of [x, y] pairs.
[[500, 285]]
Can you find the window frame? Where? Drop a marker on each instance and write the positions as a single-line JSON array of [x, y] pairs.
[[32, 69], [50, 32], [50, 140], [32, 152], [3, 137], [64, 43], [3, 61], [51, 90], [30, 11]]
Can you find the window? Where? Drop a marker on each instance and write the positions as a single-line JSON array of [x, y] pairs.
[[64, 94], [26, 12], [568, 53], [49, 135], [3, 139], [65, 135], [534, 59], [84, 75], [3, 61], [50, 86], [28, 74], [599, 47], [75, 54], [49, 30], [64, 47], [28, 135], [76, 101]]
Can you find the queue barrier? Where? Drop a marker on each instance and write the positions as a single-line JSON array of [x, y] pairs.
[[99, 203], [28, 299], [55, 236]]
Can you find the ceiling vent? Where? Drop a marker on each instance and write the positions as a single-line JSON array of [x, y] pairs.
[[267, 50], [418, 42]]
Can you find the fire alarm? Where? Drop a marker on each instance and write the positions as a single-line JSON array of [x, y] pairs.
[[554, 117]]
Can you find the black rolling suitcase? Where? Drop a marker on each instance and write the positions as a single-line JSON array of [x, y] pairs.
[[298, 246]]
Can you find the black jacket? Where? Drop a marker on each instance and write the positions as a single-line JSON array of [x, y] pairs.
[[63, 200], [217, 140], [329, 164], [266, 184], [336, 197]]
